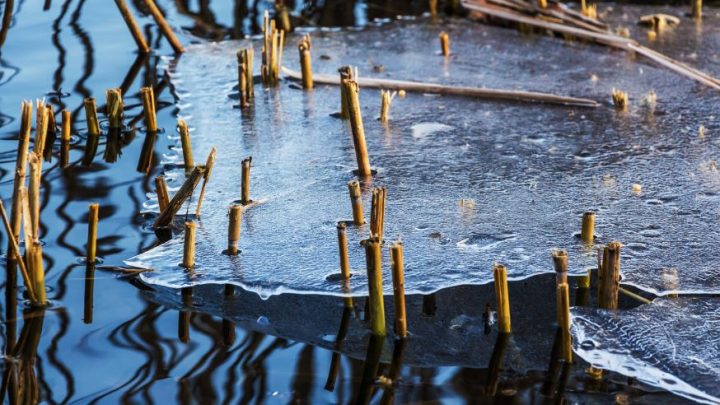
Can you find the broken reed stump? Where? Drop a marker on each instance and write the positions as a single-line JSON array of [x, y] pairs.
[[162, 192], [386, 98], [696, 9], [50, 133], [306, 62], [352, 92], [503, 298], [620, 99], [398, 277], [560, 261], [186, 146], [377, 213], [273, 40], [563, 319], [444, 43], [542, 3], [209, 164], [93, 131], [234, 225], [373, 257], [346, 73], [432, 7], [114, 107], [91, 254], [587, 230], [20, 171], [14, 251], [165, 28], [189, 246], [41, 125], [609, 276], [34, 193], [133, 27], [65, 138], [36, 271], [343, 251], [245, 76], [356, 202], [245, 181], [186, 190], [148, 100]]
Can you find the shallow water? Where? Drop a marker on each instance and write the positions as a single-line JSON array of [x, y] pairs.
[[109, 339], [529, 170]]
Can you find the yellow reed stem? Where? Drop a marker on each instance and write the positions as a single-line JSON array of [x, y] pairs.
[[209, 164], [696, 9], [41, 128], [20, 171], [15, 250], [148, 100], [114, 107], [563, 319], [398, 276], [186, 146], [93, 211], [37, 271], [352, 92], [91, 116], [65, 138], [245, 186], [373, 257], [587, 231], [346, 73], [133, 27], [162, 192], [356, 202], [164, 26], [306, 62], [189, 246], [560, 262], [34, 193], [343, 251], [444, 43], [503, 298], [234, 226]]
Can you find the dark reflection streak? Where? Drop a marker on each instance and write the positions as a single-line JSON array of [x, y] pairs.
[[58, 76], [47, 5], [89, 64], [138, 63], [52, 353], [302, 383], [206, 24], [6, 21]]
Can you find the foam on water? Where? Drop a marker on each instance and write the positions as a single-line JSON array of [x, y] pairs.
[[671, 344], [529, 171]]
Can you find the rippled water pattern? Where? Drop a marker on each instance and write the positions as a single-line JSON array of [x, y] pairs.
[[529, 170], [671, 344]]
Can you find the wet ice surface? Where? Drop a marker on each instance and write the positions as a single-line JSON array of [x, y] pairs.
[[671, 343], [530, 170]]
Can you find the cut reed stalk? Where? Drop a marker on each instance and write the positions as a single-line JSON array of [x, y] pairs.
[[563, 319], [696, 9], [165, 28], [209, 164], [386, 98], [542, 3], [398, 276], [14, 250], [352, 92], [560, 261], [346, 73], [133, 27], [343, 250], [162, 192], [373, 257], [93, 136], [306, 62], [41, 127], [148, 99], [609, 276], [587, 230], [114, 108], [186, 190], [93, 211], [377, 213], [245, 181], [356, 202], [234, 227], [186, 146], [189, 246], [444, 43], [432, 7], [65, 138], [273, 40], [50, 133], [37, 271], [620, 99], [503, 298], [20, 171], [34, 193], [245, 76]]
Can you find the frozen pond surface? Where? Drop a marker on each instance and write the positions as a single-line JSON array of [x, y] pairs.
[[671, 343], [530, 170]]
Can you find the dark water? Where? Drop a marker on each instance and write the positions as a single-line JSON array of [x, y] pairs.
[[108, 339]]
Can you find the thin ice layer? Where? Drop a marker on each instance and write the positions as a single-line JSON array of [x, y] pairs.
[[526, 172], [672, 344]]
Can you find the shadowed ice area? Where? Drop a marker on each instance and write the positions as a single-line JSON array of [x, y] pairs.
[[530, 171], [671, 344]]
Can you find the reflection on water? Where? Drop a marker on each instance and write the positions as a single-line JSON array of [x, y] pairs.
[[103, 341]]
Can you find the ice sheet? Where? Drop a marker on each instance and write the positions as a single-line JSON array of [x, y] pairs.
[[672, 344], [530, 170]]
